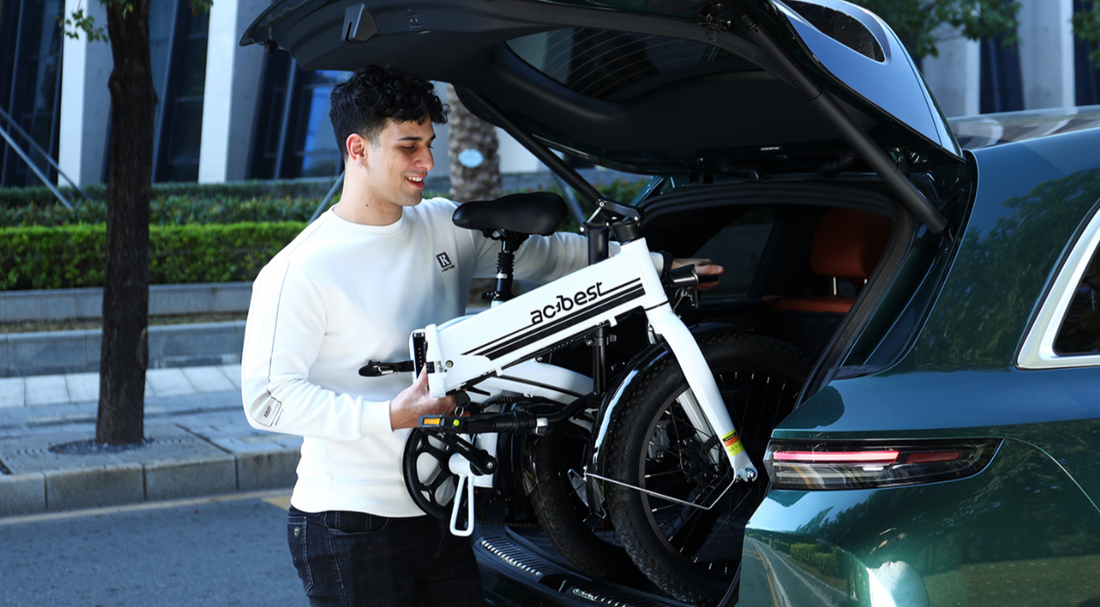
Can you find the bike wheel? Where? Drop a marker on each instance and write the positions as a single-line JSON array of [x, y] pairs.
[[690, 553], [585, 539]]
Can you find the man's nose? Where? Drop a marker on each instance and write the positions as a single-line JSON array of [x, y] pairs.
[[425, 160]]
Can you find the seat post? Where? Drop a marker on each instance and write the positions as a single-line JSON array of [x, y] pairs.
[[506, 261]]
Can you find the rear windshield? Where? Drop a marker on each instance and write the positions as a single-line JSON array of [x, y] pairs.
[[604, 64]]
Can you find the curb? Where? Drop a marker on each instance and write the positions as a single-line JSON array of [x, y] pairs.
[[164, 300], [170, 346], [129, 483]]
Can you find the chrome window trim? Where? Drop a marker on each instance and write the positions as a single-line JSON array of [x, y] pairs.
[[1037, 351]]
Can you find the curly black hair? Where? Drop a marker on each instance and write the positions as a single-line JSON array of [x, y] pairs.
[[374, 93]]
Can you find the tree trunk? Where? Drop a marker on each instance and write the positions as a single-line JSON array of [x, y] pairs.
[[475, 166], [124, 355]]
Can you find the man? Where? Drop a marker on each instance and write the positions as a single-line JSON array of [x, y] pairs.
[[352, 287]]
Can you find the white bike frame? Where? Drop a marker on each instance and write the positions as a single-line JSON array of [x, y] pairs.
[[471, 349]]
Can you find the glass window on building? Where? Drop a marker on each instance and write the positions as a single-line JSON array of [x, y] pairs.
[[30, 83], [1002, 84], [294, 136], [1087, 74], [178, 38]]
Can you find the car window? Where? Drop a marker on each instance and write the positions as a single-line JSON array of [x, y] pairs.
[[738, 247], [1080, 330], [607, 65], [840, 27]]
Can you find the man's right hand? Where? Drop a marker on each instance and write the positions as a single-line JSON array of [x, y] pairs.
[[414, 401]]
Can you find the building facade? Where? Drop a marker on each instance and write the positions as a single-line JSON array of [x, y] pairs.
[[231, 113]]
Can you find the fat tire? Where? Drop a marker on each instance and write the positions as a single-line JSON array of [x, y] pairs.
[[741, 363], [586, 541]]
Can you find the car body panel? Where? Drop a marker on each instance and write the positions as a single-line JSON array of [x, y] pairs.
[[987, 130], [1037, 199], [892, 82], [762, 121], [1018, 533], [930, 349], [1034, 510]]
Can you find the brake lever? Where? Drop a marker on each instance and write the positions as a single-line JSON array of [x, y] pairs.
[[374, 368]]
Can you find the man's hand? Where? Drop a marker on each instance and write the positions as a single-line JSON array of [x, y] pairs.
[[414, 401], [703, 267]]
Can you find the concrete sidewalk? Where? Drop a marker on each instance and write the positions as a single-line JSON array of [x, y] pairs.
[[197, 443]]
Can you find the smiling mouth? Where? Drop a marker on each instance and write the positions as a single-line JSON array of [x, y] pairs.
[[417, 181]]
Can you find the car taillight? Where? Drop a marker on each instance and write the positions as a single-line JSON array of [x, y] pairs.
[[821, 465]]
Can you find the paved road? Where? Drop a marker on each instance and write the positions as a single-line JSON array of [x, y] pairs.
[[227, 550], [786, 585]]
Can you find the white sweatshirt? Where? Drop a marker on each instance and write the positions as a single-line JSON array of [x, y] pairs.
[[339, 295]]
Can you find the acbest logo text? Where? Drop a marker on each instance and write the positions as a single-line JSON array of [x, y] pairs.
[[566, 303]]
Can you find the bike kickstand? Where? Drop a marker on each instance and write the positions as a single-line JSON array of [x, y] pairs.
[[460, 466]]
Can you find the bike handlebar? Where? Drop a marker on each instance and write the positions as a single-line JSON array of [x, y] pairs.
[[512, 422]]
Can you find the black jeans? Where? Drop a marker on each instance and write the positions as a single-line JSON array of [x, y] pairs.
[[355, 559]]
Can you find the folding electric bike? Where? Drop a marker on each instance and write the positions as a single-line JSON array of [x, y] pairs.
[[652, 453]]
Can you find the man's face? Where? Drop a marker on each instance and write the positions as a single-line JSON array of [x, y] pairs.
[[397, 165]]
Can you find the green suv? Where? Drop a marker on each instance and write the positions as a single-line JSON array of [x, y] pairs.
[[939, 279]]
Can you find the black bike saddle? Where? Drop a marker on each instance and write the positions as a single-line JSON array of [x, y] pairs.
[[525, 214]]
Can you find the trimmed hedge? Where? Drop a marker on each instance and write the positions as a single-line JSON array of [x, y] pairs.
[[75, 256], [825, 562], [181, 204], [298, 188], [199, 233], [173, 210]]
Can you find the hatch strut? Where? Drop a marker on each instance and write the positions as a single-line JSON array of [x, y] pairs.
[[540, 151], [860, 141]]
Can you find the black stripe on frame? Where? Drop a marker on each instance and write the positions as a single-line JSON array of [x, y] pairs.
[[562, 324], [479, 349]]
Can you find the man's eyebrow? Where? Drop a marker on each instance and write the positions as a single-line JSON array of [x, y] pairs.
[[415, 138]]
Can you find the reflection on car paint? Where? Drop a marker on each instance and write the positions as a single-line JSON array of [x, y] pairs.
[[1020, 533]]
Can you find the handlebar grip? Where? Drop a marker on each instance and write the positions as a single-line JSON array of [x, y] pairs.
[[513, 422]]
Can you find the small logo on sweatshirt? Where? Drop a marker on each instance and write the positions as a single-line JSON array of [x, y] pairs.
[[444, 262]]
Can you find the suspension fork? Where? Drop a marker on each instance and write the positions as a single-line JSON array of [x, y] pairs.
[[708, 405]]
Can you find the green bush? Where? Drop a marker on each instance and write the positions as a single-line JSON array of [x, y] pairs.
[[298, 188], [176, 209], [199, 233], [75, 256], [187, 203], [810, 554]]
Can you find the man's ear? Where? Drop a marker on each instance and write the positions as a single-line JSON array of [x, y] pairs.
[[356, 146]]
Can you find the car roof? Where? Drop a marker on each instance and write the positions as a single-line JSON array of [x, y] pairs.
[[989, 130]]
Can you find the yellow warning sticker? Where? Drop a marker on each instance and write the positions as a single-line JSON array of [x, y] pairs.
[[733, 444]]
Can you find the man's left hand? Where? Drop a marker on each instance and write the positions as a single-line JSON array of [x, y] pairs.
[[703, 267]]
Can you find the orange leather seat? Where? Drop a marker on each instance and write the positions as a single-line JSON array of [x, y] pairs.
[[847, 245]]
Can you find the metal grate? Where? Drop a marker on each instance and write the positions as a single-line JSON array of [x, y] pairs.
[[518, 557]]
